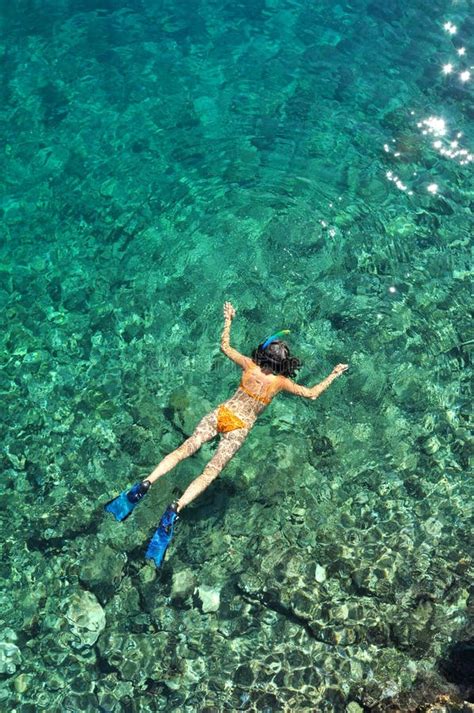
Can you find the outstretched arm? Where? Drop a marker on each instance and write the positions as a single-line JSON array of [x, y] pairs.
[[240, 359], [317, 389]]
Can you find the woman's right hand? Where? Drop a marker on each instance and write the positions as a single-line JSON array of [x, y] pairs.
[[340, 369], [229, 311]]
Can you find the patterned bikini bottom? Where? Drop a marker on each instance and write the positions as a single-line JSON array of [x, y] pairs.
[[228, 421]]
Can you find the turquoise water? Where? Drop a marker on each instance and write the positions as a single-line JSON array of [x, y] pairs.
[[311, 162]]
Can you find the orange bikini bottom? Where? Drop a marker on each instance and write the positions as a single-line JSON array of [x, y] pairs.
[[227, 421]]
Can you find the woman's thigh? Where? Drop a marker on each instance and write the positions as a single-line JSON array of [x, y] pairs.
[[206, 428], [229, 445], [204, 431]]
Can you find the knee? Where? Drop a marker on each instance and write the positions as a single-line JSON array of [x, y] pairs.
[[190, 445], [210, 473]]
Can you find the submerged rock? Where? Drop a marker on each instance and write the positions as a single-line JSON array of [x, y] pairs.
[[86, 618], [10, 657], [320, 574], [103, 568], [137, 657], [354, 707], [184, 583], [210, 598]]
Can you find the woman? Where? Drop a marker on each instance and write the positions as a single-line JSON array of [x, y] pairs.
[[265, 374]]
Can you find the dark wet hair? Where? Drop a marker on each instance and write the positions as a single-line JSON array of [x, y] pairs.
[[276, 358]]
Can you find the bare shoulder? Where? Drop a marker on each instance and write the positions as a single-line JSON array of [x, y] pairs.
[[285, 384], [247, 363]]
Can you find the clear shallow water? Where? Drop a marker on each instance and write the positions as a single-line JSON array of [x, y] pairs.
[[298, 159]]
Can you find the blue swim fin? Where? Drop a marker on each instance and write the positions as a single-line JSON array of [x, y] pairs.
[[162, 537], [122, 506]]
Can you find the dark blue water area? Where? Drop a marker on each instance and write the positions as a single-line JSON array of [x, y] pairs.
[[312, 163]]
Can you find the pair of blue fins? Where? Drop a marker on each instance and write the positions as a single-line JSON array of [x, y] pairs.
[[123, 505]]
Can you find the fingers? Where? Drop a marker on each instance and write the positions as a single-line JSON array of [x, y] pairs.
[[229, 310], [340, 369]]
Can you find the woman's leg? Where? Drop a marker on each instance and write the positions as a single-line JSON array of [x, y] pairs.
[[204, 431], [228, 446]]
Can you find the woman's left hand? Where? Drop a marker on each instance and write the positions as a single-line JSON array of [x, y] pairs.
[[340, 369], [229, 310]]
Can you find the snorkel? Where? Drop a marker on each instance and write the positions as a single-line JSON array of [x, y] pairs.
[[274, 337]]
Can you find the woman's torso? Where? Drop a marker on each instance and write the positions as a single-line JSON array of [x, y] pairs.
[[255, 392]]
